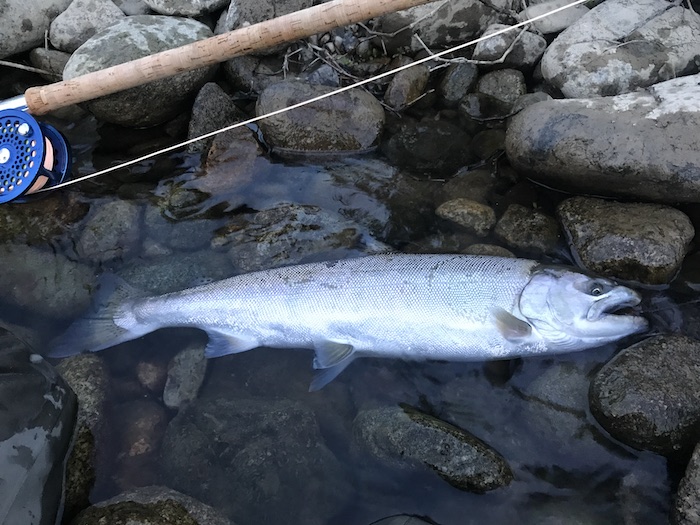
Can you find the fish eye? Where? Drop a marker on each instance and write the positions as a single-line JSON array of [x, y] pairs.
[[597, 289]]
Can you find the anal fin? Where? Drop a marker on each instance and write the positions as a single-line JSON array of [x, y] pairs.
[[222, 343]]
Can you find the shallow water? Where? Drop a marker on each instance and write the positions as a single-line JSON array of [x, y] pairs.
[[534, 412]]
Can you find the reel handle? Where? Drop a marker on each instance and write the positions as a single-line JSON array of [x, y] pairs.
[[219, 48]]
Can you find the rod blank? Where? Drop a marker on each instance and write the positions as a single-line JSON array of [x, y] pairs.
[[203, 53]]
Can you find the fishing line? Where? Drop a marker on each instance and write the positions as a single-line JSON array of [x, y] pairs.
[[311, 100]]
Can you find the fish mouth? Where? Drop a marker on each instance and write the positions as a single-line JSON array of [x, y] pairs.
[[618, 302]]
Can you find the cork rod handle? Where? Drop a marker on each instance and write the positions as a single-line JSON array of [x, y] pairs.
[[287, 28]]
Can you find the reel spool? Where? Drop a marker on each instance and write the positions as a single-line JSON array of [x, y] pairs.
[[32, 156]]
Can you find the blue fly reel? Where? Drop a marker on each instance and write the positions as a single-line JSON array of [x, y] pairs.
[[33, 156]]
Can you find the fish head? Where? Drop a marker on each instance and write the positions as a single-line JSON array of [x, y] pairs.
[[574, 311]]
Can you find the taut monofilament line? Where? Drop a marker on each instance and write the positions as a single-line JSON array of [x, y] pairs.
[[35, 158]]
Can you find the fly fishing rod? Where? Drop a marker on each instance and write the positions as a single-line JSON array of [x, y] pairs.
[[35, 157]]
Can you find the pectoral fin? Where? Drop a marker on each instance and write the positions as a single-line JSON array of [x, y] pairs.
[[510, 327], [331, 359]]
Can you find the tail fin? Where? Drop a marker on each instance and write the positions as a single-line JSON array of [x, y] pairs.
[[97, 329]]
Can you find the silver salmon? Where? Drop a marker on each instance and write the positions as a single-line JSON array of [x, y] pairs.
[[443, 307]]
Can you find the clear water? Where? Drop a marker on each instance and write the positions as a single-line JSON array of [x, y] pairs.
[[534, 412]]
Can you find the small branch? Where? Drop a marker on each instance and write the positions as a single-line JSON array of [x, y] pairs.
[[31, 69]]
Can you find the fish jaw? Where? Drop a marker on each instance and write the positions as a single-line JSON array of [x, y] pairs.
[[604, 318]]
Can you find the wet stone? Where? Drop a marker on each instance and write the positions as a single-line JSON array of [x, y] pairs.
[[528, 230], [648, 395], [213, 109], [457, 81], [46, 283], [686, 505], [49, 60], [584, 145], [246, 457], [186, 372], [350, 121], [404, 436], [505, 85], [487, 249], [430, 146], [156, 505], [640, 242], [142, 423], [488, 142], [288, 234], [111, 232], [406, 86], [475, 185], [476, 108], [88, 377], [505, 51], [475, 217]]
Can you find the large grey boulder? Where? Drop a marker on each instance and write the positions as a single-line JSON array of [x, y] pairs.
[[132, 38], [24, 23], [621, 45], [640, 145]]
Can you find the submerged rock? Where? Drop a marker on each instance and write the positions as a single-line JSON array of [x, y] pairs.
[[44, 282], [528, 230], [36, 428], [622, 45], [429, 146], [639, 242], [403, 436], [406, 86], [112, 232], [87, 376], [132, 38], [186, 372], [686, 504], [477, 218], [349, 121], [640, 145], [247, 457], [152, 505], [290, 234], [648, 396]]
